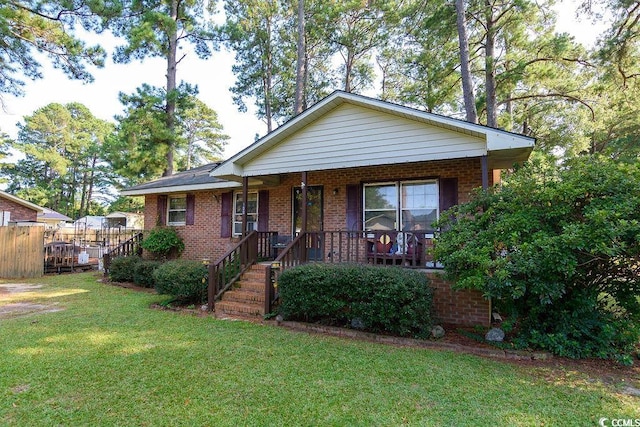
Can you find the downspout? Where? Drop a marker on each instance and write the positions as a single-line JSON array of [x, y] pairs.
[[485, 172]]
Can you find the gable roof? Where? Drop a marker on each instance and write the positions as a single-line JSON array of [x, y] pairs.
[[190, 180], [51, 215], [347, 130], [21, 202]]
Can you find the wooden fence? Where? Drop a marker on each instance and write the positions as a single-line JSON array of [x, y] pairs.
[[21, 252]]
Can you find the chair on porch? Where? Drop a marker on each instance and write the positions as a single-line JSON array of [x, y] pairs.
[[278, 243]]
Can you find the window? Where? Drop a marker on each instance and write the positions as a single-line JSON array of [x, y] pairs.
[[252, 213], [401, 206], [177, 213]]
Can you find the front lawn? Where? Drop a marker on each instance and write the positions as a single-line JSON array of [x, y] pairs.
[[105, 358]]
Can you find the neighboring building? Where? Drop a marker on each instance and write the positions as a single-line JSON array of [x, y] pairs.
[[15, 210], [89, 222], [380, 172], [127, 220], [53, 219]]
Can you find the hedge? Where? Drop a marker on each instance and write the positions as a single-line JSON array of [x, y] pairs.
[[377, 299]]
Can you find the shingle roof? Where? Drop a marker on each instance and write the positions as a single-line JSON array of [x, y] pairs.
[[192, 179]]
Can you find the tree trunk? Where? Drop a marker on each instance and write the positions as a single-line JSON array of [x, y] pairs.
[[465, 67], [490, 67], [171, 87], [268, 78], [301, 60]]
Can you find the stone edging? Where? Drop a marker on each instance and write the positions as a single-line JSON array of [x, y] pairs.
[[410, 342]]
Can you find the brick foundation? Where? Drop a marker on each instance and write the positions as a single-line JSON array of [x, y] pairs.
[[458, 307]]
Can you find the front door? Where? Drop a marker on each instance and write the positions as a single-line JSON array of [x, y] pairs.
[[314, 209], [314, 241]]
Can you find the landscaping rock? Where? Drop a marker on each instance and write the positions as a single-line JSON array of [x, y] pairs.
[[357, 323], [437, 332], [495, 334]]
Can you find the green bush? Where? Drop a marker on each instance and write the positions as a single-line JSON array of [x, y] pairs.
[[121, 268], [557, 249], [185, 280], [377, 299], [143, 273], [163, 243]]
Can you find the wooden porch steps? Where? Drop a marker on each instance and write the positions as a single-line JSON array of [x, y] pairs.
[[246, 298]]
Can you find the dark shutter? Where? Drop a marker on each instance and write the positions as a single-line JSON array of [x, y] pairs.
[[448, 193], [354, 217], [191, 207], [263, 210], [162, 210], [225, 214]]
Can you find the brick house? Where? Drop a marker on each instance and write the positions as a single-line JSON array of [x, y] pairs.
[[16, 210], [362, 179]]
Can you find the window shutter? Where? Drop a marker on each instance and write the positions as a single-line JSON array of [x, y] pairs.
[[263, 210], [191, 207], [225, 214], [448, 193], [354, 218], [162, 210]]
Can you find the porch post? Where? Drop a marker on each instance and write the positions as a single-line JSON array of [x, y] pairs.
[[485, 172], [303, 204], [245, 197], [303, 218]]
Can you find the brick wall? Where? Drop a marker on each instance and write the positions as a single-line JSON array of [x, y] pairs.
[[458, 307], [203, 241], [18, 212]]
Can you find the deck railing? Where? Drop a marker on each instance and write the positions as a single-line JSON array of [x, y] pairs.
[[228, 268], [127, 248]]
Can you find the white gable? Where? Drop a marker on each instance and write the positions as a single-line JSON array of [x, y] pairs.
[[346, 130], [352, 136]]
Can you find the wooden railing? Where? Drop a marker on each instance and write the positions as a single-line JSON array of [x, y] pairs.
[[127, 248], [228, 268]]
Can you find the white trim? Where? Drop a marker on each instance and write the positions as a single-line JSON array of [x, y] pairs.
[[180, 189], [169, 210]]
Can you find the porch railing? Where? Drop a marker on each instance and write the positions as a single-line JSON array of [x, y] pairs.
[[406, 249], [227, 269], [127, 248]]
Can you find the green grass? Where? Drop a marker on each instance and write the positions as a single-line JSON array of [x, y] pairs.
[[107, 359]]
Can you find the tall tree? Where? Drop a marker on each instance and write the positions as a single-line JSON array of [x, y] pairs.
[[133, 150], [465, 63], [62, 164], [300, 60], [203, 133], [252, 31], [155, 28], [31, 26]]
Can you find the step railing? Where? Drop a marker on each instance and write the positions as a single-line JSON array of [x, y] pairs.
[[129, 247], [227, 269]]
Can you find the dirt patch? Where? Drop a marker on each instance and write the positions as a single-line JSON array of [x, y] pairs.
[[12, 310]]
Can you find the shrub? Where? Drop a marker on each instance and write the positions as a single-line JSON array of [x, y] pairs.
[[121, 268], [163, 243], [185, 280], [377, 299], [143, 273], [557, 250]]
